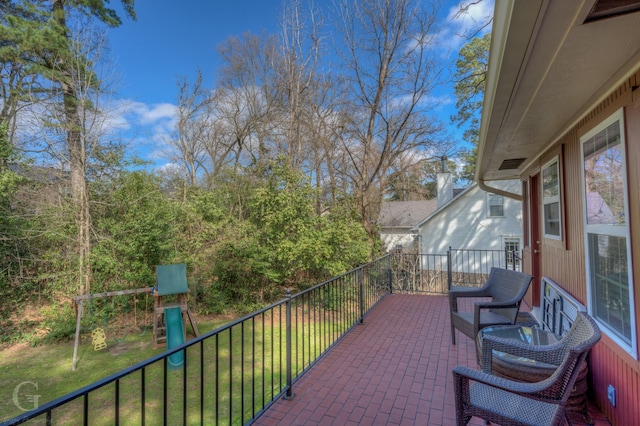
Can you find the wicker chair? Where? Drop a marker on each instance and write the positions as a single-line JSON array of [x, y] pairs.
[[495, 399], [505, 287]]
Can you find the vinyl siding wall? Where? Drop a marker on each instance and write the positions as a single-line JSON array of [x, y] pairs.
[[564, 261], [465, 224]]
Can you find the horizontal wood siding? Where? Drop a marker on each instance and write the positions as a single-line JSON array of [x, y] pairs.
[[565, 262]]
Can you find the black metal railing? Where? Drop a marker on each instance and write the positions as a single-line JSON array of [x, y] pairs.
[[420, 273], [472, 267], [232, 374], [436, 273]]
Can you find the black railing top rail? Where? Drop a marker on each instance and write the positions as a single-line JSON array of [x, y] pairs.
[[511, 259], [48, 407], [134, 368], [316, 286], [353, 276]]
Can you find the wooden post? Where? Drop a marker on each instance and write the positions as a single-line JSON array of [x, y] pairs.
[[79, 311], [192, 321], [75, 346]]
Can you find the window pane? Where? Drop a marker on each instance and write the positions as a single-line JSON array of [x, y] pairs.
[[550, 182], [512, 246], [604, 187], [496, 211], [610, 282], [496, 205], [552, 219]]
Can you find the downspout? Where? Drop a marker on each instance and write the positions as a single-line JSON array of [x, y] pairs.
[[497, 191]]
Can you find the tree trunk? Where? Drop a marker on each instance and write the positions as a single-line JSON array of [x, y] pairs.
[[77, 158]]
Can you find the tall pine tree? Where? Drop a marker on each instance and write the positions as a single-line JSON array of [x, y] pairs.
[[470, 76], [37, 46]]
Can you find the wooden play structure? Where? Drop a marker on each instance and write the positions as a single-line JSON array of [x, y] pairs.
[[171, 283], [98, 334], [170, 293]]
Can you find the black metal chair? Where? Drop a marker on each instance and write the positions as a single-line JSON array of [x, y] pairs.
[[505, 288]]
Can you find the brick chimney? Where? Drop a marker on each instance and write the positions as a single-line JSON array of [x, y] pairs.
[[445, 188], [445, 184]]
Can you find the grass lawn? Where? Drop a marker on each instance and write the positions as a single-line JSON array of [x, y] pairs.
[[49, 366], [242, 368]]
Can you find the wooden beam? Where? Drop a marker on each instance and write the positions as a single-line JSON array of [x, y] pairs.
[[112, 293]]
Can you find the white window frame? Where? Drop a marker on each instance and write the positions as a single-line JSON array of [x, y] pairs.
[[611, 230], [552, 199], [489, 204]]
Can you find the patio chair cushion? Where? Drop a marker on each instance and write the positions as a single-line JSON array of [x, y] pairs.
[[505, 290], [486, 319]]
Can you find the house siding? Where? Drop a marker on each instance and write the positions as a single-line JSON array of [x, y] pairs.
[[391, 238], [465, 224], [564, 261], [558, 259]]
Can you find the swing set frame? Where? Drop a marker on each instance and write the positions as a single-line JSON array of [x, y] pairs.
[[78, 305]]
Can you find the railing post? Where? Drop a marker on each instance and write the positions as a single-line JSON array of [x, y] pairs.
[[390, 272], [449, 269], [289, 394], [361, 292], [506, 258]]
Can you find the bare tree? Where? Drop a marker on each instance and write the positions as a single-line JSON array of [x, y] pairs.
[[193, 120], [248, 85], [219, 141], [324, 129], [478, 21], [300, 43], [385, 49]]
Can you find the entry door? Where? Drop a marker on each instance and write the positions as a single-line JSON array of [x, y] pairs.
[[531, 224]]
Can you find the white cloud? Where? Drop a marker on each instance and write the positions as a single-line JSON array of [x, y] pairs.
[[149, 114], [129, 114], [441, 101], [115, 121], [469, 17], [156, 120], [170, 168], [466, 19]]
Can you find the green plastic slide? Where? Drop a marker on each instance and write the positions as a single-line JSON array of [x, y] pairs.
[[175, 334]]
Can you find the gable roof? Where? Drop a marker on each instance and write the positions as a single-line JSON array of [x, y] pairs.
[[511, 185], [458, 196], [547, 69], [405, 214]]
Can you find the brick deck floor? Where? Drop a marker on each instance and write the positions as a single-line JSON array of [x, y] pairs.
[[393, 369]]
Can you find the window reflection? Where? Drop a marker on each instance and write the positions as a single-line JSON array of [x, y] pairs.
[[603, 178], [607, 231]]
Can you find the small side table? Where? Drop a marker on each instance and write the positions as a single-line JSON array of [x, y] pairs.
[[528, 370]]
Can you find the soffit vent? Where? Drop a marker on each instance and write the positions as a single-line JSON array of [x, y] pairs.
[[511, 164], [603, 9]]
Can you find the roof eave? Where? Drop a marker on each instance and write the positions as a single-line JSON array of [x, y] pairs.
[[514, 24]]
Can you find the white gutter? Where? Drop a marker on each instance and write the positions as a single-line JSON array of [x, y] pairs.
[[498, 191], [501, 19]]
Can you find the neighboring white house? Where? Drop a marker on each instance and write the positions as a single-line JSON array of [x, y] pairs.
[[473, 220], [397, 219], [470, 219]]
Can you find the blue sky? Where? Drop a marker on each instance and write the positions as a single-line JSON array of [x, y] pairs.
[[171, 39]]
